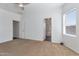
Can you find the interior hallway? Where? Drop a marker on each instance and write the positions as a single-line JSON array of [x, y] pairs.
[[34, 48]]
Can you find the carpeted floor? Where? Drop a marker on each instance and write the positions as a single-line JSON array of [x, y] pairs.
[[27, 47]]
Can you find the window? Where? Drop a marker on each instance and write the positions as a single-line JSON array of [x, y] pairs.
[[69, 22]]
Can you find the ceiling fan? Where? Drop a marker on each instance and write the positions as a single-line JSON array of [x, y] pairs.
[[21, 5]]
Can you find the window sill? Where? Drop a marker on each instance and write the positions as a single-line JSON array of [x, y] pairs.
[[70, 35]]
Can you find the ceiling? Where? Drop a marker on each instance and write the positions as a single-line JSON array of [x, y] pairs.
[[14, 7]]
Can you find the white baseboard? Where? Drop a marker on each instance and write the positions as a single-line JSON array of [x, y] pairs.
[[33, 39]]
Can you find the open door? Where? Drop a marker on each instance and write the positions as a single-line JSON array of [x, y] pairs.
[[15, 29], [48, 29]]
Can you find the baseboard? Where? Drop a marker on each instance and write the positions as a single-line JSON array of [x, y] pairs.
[[5, 41], [71, 49], [55, 42], [21, 38], [32, 39]]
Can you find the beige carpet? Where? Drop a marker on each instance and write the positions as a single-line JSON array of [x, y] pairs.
[[21, 47]]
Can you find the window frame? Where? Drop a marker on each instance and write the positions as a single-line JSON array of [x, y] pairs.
[[64, 26]]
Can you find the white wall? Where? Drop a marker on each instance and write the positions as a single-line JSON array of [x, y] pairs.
[[6, 25], [72, 42], [33, 26]]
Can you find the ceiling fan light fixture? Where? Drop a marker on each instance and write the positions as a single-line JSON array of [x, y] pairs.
[[21, 5]]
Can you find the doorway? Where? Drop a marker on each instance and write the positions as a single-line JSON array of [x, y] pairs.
[[15, 29], [48, 29]]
